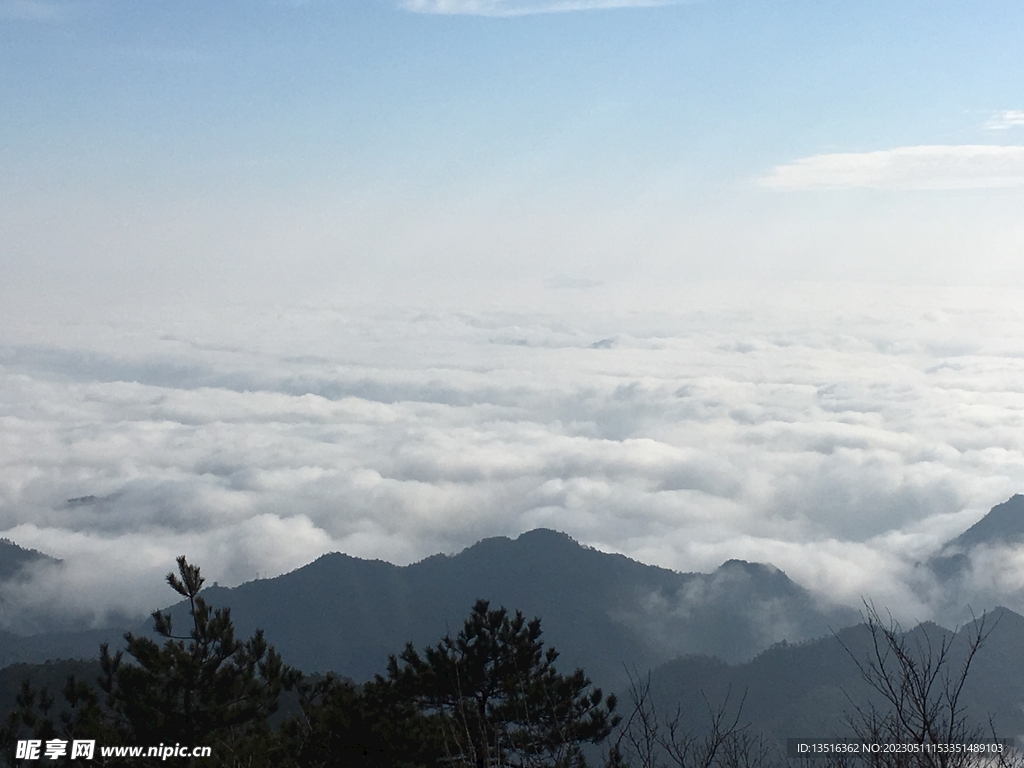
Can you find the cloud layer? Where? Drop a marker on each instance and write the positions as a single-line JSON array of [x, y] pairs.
[[921, 167], [841, 436]]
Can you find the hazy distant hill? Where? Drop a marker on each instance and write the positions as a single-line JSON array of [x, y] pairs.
[[602, 611], [1002, 526], [35, 649], [790, 690], [806, 690], [52, 675], [14, 559], [605, 613]]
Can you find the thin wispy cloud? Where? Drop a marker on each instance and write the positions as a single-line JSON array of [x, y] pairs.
[[1010, 118], [522, 7], [924, 167]]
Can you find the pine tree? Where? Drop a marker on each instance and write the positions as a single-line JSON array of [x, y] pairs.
[[358, 726], [498, 699], [205, 688]]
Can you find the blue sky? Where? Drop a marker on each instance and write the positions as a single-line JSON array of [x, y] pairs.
[[483, 140]]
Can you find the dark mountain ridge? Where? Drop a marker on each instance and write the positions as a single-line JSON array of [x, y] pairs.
[[702, 634], [604, 612], [1003, 525], [811, 689], [15, 561]]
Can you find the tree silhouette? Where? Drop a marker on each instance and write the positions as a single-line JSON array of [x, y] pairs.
[[203, 689], [358, 726], [921, 680], [497, 698], [489, 696], [648, 738]]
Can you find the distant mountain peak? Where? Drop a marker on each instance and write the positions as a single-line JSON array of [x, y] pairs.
[[746, 565], [603, 611], [14, 559], [1004, 524], [535, 546], [535, 537], [547, 534]]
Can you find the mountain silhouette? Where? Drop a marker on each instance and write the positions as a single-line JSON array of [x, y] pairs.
[[703, 635], [15, 560], [603, 612], [812, 689], [1002, 526]]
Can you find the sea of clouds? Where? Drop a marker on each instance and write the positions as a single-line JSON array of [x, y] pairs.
[[840, 433]]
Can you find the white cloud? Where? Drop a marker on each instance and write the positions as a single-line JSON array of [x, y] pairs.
[[920, 167], [840, 435], [1010, 118], [522, 7]]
